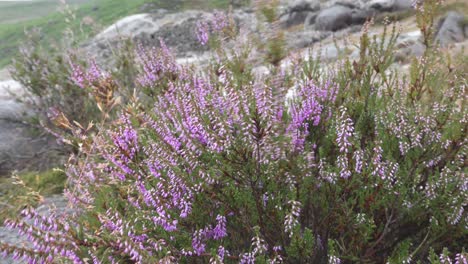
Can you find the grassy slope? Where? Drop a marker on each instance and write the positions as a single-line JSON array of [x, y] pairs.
[[103, 12], [14, 12]]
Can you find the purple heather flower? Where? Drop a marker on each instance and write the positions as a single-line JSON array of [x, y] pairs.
[[345, 131], [444, 259], [358, 157], [342, 161], [379, 167], [247, 258], [197, 242], [202, 32], [53, 113], [156, 63], [94, 73], [265, 199], [78, 75], [220, 21], [333, 260], [221, 252], [461, 258], [219, 231]]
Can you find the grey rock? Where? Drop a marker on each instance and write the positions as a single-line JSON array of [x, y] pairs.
[[360, 16], [303, 5], [293, 18], [297, 11], [334, 18], [408, 51], [19, 149], [246, 19], [417, 49], [303, 39], [403, 5], [55, 203], [389, 5], [354, 4], [381, 5], [407, 46], [177, 30], [450, 29], [327, 53], [310, 19]]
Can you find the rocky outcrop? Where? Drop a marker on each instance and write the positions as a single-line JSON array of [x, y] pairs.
[[334, 15], [319, 19], [330, 21], [177, 30], [451, 29], [19, 148]]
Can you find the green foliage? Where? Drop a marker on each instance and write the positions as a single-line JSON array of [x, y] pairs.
[[45, 183], [27, 188]]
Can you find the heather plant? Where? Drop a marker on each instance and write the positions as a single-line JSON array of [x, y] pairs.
[[46, 78], [300, 164], [68, 95], [62, 83]]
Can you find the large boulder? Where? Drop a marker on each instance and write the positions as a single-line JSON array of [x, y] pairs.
[[339, 14], [19, 148], [451, 29], [342, 15], [176, 29], [297, 11], [334, 18]]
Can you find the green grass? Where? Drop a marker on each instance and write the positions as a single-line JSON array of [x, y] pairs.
[[13, 12], [459, 6], [26, 188], [46, 183], [103, 12]]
